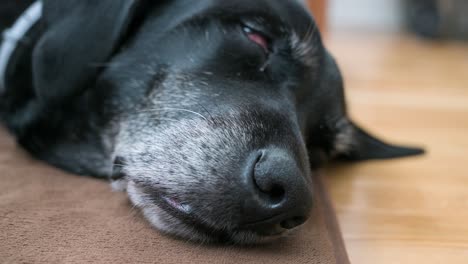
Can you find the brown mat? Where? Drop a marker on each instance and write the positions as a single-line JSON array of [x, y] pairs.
[[48, 216]]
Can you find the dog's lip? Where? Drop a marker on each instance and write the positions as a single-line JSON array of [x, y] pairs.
[[166, 202], [265, 227], [269, 231], [185, 213], [176, 205]]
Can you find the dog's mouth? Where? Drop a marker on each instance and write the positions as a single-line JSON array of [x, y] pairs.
[[185, 212], [176, 206], [180, 219]]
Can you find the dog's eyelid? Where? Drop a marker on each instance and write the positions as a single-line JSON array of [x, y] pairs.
[[259, 38], [270, 27], [258, 27]]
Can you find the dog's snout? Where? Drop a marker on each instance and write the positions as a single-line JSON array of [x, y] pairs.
[[280, 195]]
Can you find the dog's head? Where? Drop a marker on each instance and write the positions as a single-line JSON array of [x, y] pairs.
[[221, 110]]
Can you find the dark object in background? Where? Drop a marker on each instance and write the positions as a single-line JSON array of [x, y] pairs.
[[442, 19]]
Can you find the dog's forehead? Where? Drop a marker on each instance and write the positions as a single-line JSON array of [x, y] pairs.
[[292, 13], [289, 12]]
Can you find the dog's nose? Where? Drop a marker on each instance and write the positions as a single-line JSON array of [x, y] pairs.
[[280, 194]]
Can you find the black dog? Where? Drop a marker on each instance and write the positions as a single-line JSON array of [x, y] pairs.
[[212, 114]]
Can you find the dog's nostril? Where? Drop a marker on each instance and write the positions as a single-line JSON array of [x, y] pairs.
[[270, 189], [275, 193], [293, 222]]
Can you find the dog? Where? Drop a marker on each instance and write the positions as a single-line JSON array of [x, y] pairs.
[[213, 115]]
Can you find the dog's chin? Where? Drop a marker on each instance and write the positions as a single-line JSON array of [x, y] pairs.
[[169, 224]]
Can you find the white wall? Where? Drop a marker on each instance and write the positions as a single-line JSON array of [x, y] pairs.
[[370, 15]]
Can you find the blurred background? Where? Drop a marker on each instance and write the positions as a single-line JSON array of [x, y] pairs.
[[405, 67], [443, 19]]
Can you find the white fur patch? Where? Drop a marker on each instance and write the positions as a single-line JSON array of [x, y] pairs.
[[344, 138], [12, 36]]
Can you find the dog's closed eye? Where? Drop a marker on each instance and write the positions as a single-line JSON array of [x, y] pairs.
[[258, 38]]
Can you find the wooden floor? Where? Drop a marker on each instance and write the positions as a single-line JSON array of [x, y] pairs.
[[408, 91]]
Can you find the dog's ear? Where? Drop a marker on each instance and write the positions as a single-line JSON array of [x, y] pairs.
[[79, 36], [352, 143], [343, 139]]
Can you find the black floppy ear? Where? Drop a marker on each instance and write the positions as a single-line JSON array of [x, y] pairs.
[[79, 35], [337, 136], [354, 144]]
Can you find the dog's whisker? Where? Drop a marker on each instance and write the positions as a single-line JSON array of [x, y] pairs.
[[188, 111], [164, 119], [153, 118], [206, 110], [173, 109]]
